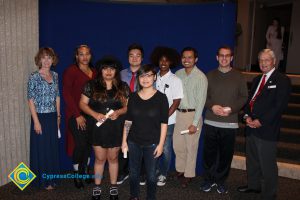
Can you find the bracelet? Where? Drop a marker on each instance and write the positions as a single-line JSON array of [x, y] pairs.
[[58, 116]]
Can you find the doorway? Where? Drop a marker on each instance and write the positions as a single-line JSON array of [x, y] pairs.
[[264, 14]]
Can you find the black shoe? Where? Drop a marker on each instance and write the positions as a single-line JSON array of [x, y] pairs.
[[77, 181], [113, 192], [96, 193], [96, 197], [245, 189], [222, 189], [206, 186], [122, 178], [177, 175], [113, 197], [142, 180]]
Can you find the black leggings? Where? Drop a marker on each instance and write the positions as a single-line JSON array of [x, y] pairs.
[[82, 147]]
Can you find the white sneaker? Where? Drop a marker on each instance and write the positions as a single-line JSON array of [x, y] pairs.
[[161, 180]]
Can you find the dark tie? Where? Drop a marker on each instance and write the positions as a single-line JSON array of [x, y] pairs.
[[132, 82], [262, 83]]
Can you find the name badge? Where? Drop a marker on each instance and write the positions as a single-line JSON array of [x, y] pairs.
[[271, 86]]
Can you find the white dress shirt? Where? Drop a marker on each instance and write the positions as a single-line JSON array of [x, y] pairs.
[[171, 86]]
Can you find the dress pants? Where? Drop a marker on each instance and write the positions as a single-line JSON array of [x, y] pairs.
[[262, 170], [186, 145]]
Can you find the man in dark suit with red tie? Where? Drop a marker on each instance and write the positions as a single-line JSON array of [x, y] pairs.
[[267, 100]]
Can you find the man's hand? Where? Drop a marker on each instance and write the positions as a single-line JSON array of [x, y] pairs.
[[192, 129], [220, 110], [217, 110], [256, 123], [253, 123]]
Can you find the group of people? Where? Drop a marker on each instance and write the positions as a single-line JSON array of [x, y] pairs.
[[131, 118]]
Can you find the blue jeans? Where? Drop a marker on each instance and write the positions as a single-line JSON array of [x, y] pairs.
[[163, 163], [137, 153]]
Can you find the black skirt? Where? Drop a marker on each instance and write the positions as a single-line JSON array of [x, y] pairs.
[[108, 135]]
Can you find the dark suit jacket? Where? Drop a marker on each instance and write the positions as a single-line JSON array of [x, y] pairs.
[[269, 105]]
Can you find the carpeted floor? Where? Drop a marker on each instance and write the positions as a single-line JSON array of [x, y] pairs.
[[289, 189]]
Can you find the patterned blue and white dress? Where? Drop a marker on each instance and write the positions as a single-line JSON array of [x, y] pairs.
[[44, 149]]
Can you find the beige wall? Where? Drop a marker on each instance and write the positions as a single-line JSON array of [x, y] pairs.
[[18, 45], [260, 28], [242, 52]]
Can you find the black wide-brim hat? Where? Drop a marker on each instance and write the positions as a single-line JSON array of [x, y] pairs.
[[108, 61]]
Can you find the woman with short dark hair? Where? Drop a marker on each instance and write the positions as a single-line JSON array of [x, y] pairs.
[[145, 131]]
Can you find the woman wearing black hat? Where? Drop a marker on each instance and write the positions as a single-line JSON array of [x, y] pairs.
[[106, 92]]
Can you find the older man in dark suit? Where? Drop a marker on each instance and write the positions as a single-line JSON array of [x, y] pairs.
[[267, 100]]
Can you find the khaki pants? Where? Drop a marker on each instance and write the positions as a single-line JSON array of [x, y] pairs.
[[186, 145]]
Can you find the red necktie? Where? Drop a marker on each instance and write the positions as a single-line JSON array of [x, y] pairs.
[[262, 83], [132, 82]]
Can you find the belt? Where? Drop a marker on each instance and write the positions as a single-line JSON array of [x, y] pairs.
[[185, 110]]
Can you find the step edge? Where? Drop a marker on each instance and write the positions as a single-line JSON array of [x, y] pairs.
[[286, 170], [290, 130], [291, 117], [282, 129], [279, 159], [295, 94], [287, 145], [294, 105]]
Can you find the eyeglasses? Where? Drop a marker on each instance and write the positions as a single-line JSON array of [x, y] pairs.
[[224, 55], [146, 75]]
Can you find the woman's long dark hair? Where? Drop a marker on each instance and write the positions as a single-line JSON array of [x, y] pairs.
[[100, 88]]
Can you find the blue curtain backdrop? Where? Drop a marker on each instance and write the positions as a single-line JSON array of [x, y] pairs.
[[110, 28]]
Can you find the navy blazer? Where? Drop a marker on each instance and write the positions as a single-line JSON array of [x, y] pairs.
[[269, 105]]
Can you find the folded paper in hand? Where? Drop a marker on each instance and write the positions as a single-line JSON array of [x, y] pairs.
[[106, 116]]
